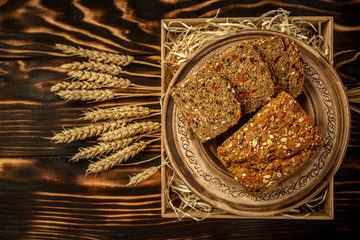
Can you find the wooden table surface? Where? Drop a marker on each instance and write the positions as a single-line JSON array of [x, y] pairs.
[[44, 196]]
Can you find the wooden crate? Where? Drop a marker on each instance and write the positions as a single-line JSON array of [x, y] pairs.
[[324, 26]]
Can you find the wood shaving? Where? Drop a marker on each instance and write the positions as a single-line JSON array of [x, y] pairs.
[[183, 40]]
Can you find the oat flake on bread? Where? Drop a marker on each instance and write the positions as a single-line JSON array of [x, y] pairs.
[[275, 142]]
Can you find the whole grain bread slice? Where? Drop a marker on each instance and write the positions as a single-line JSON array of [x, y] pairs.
[[285, 63], [208, 103], [248, 73], [275, 142]]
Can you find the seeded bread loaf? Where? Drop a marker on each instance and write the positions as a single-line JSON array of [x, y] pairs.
[[285, 63], [276, 141], [208, 102], [248, 73]]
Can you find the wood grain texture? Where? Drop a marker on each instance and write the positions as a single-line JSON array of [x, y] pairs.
[[43, 196]]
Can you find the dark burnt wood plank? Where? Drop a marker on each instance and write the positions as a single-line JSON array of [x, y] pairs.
[[43, 196], [48, 196]]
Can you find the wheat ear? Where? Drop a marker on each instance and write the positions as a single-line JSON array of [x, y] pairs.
[[118, 157], [140, 177], [74, 85], [98, 95], [78, 133], [101, 148], [87, 85], [101, 56], [130, 130], [102, 67], [86, 95], [107, 79], [117, 113]]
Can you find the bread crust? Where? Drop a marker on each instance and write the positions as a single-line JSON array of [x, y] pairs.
[[279, 139]]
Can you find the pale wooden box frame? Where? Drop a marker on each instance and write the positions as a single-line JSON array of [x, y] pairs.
[[324, 26]]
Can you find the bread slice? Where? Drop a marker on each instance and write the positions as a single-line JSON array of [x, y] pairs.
[[248, 73], [285, 63], [276, 141], [208, 102]]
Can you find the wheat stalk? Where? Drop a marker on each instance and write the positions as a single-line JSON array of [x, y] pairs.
[[117, 113], [107, 79], [355, 109], [140, 177], [78, 133], [118, 157], [130, 130], [141, 162], [101, 56], [98, 95], [353, 94], [103, 68], [101, 148]]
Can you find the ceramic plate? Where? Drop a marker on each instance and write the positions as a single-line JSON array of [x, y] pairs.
[[323, 98]]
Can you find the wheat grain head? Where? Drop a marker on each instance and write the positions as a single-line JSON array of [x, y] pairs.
[[79, 133]]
